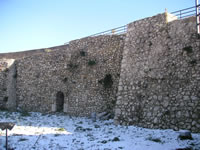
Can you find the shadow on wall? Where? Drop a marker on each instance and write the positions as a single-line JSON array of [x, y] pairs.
[[8, 77], [59, 101]]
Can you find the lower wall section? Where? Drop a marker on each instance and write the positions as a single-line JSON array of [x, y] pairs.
[[80, 79], [159, 83]]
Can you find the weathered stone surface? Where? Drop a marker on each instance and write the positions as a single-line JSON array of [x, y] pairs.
[[150, 76], [7, 84], [86, 71], [161, 65]]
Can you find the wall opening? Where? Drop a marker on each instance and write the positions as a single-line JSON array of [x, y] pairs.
[[59, 101]]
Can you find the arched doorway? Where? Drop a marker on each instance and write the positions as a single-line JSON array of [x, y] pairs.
[[59, 101]]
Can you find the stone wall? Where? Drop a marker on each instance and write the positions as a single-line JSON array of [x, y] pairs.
[[7, 84], [3, 89], [150, 76], [86, 72], [159, 83], [23, 54]]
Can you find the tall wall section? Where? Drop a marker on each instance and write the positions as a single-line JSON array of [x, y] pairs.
[[85, 73], [3, 85], [7, 84], [159, 83]]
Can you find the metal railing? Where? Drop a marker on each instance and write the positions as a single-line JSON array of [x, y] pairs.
[[185, 13], [115, 31], [181, 14]]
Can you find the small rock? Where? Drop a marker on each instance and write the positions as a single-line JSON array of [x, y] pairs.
[[93, 116], [116, 139], [194, 98], [185, 135], [186, 98], [96, 126], [120, 88], [187, 148], [166, 103], [155, 120], [104, 141], [118, 111], [79, 129]]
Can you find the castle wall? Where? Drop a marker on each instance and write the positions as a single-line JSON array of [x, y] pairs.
[[7, 84], [159, 83], [27, 53], [38, 78], [150, 77], [3, 88], [86, 72]]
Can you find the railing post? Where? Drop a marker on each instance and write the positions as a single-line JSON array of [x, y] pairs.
[[198, 16]]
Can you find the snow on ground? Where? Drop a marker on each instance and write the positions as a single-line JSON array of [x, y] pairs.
[[36, 131]]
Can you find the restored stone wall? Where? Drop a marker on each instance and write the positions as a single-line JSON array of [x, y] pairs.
[[159, 83], [86, 72]]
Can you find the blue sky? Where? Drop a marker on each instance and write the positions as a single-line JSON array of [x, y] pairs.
[[33, 24]]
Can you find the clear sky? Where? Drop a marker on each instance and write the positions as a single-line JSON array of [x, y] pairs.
[[32, 24]]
